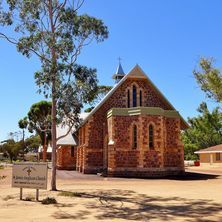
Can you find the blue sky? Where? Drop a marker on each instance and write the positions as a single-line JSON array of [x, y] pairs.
[[165, 37]]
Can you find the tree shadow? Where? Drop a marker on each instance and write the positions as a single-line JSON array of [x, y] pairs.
[[80, 215], [194, 176], [129, 205]]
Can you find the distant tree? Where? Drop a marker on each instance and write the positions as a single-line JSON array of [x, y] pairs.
[[32, 143], [205, 130], [11, 148], [23, 123], [39, 120], [209, 79], [55, 32], [99, 94]]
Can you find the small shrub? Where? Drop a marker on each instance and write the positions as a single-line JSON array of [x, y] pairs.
[[49, 200], [2, 177], [8, 197], [29, 198], [70, 194]]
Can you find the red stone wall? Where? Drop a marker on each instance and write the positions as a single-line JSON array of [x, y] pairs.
[[166, 156], [174, 150], [152, 159], [64, 159], [121, 155]]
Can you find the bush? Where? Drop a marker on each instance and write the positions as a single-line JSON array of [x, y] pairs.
[[8, 197], [49, 200], [2, 177], [29, 198]]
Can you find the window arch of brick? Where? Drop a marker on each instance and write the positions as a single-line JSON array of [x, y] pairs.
[[134, 135], [128, 98], [134, 95], [151, 136]]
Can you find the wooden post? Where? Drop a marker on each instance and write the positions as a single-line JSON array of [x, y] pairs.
[[20, 193], [37, 194]]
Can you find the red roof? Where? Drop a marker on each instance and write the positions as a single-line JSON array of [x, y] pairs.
[[212, 149]]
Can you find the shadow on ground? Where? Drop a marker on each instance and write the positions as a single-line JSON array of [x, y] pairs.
[[194, 176], [129, 205]]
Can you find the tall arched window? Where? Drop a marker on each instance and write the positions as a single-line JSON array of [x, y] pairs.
[[134, 137], [128, 98], [140, 97], [151, 137], [134, 97]]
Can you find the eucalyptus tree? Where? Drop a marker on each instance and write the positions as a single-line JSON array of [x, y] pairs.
[[39, 121], [23, 123], [209, 79], [99, 94], [205, 130], [55, 32]]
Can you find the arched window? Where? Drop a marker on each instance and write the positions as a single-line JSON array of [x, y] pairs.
[[134, 137], [140, 97], [151, 137], [128, 98], [134, 97]]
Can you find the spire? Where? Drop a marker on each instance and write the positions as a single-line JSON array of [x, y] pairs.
[[119, 72]]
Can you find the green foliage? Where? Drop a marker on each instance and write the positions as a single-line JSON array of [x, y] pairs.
[[88, 110], [56, 33], [23, 123], [33, 143], [100, 93], [49, 200], [39, 119], [209, 79], [205, 131], [12, 148]]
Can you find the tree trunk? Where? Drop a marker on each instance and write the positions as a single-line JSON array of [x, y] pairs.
[[23, 140], [53, 181], [44, 151], [53, 78]]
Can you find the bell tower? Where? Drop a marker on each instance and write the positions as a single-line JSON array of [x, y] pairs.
[[119, 72]]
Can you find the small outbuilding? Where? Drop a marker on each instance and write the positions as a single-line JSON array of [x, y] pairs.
[[211, 155]]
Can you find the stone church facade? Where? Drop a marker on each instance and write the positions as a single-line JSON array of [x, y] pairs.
[[133, 132]]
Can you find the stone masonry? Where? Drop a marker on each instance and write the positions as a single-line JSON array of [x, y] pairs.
[[105, 142]]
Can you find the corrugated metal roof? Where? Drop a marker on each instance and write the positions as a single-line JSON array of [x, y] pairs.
[[68, 139], [212, 149]]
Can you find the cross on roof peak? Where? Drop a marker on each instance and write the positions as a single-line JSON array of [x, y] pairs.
[[120, 59]]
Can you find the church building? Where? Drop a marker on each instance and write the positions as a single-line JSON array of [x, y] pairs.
[[133, 132]]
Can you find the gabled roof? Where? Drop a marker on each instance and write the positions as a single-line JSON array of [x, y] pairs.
[[136, 72], [212, 149], [69, 139]]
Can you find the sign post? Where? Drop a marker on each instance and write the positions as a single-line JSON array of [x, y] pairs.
[[30, 175]]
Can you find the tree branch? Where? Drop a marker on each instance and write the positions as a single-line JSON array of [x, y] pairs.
[[13, 41]]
